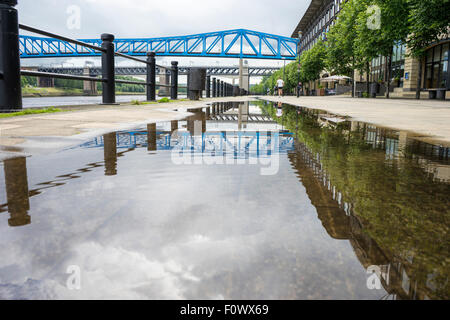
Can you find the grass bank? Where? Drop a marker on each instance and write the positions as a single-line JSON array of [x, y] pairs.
[[29, 111]]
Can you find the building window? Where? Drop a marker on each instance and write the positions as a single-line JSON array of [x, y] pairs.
[[436, 67]]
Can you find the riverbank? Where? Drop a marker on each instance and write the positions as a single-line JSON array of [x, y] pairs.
[[35, 92], [428, 119]]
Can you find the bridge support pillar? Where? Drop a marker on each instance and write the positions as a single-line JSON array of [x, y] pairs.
[[151, 76], [164, 80], [10, 84], [89, 87], [108, 71], [244, 78]]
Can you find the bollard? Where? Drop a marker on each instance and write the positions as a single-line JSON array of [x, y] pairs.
[[174, 81], [108, 71], [222, 89], [219, 89], [208, 86], [10, 84], [151, 76], [214, 88]]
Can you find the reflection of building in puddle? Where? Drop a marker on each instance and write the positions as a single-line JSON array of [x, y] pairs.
[[17, 194], [342, 221]]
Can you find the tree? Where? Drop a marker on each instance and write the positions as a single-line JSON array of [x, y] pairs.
[[381, 24], [341, 46], [313, 62]]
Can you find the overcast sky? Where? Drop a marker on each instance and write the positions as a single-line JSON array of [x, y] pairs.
[[147, 19]]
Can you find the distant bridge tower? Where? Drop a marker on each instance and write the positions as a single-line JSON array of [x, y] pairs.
[[89, 87], [244, 78]]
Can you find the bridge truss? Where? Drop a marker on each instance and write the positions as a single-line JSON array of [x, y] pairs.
[[240, 43]]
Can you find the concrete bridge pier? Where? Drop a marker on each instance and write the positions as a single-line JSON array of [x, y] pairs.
[[17, 193], [244, 75], [164, 78], [89, 87]]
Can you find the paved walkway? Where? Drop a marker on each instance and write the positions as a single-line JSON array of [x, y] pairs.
[[423, 117]]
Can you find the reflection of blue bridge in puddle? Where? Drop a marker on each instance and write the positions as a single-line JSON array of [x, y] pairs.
[[218, 143]]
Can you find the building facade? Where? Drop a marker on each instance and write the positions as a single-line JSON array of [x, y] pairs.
[[435, 76]]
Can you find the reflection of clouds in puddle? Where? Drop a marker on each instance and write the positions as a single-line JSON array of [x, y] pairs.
[[109, 272], [116, 273]]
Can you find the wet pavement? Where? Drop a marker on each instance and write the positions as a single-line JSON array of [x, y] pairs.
[[243, 201]]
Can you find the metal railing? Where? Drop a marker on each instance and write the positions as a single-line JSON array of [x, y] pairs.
[[10, 71]]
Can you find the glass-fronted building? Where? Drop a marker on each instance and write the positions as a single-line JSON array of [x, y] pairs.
[[321, 15]]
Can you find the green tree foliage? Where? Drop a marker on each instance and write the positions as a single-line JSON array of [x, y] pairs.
[[342, 57], [428, 20], [313, 62], [28, 81]]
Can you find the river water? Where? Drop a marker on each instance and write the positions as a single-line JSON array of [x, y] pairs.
[[78, 100], [241, 202]]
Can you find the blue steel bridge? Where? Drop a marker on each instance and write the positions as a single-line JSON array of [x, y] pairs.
[[239, 43]]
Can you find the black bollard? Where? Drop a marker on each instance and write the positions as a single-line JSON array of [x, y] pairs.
[[151, 76], [214, 88], [174, 81], [222, 89], [208, 86], [108, 71], [10, 84]]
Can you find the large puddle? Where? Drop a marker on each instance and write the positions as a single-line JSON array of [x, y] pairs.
[[240, 201]]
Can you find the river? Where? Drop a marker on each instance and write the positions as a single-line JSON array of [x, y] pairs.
[[76, 100]]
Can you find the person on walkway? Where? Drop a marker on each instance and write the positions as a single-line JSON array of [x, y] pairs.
[[299, 89], [280, 85], [275, 88]]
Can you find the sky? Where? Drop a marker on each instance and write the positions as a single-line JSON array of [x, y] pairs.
[[148, 19]]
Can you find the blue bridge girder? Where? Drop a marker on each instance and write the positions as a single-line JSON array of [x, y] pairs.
[[129, 71], [239, 43]]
